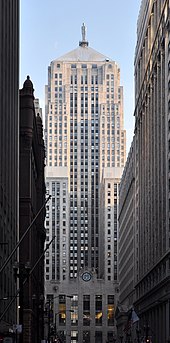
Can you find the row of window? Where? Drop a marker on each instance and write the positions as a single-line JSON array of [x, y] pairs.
[[58, 118], [84, 66], [104, 164], [57, 164]]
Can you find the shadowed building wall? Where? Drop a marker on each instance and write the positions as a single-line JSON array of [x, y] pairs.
[[152, 113], [32, 197], [151, 187], [9, 149]]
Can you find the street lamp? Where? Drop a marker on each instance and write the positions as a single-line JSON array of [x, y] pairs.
[[21, 271], [48, 317], [48, 312], [51, 321], [71, 311]]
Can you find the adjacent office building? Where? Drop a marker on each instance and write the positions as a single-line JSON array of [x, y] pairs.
[[126, 229], [152, 178], [127, 241], [152, 111], [86, 152], [9, 150]]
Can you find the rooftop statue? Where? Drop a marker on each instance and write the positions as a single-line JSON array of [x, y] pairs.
[[83, 30]]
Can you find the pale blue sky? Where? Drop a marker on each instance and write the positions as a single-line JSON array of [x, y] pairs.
[[50, 28]]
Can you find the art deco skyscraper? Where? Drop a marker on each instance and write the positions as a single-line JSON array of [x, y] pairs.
[[85, 141]]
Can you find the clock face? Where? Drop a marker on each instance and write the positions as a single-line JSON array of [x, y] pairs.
[[86, 276]]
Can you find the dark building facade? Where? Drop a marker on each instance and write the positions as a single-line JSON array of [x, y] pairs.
[[31, 200], [149, 229], [9, 151], [152, 169]]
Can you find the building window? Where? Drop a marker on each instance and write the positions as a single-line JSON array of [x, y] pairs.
[[74, 336], [98, 310], [110, 336], [62, 310], [98, 337], [86, 336], [86, 310], [110, 310], [74, 309]]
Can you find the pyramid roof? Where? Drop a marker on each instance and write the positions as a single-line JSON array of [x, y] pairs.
[[83, 54]]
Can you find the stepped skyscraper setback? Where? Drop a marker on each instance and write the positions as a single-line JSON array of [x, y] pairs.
[[86, 152]]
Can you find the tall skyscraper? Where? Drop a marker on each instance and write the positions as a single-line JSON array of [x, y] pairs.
[[9, 149], [85, 141]]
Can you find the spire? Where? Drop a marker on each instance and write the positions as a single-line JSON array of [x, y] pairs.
[[84, 42]]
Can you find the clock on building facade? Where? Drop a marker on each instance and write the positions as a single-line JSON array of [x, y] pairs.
[[86, 276]]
